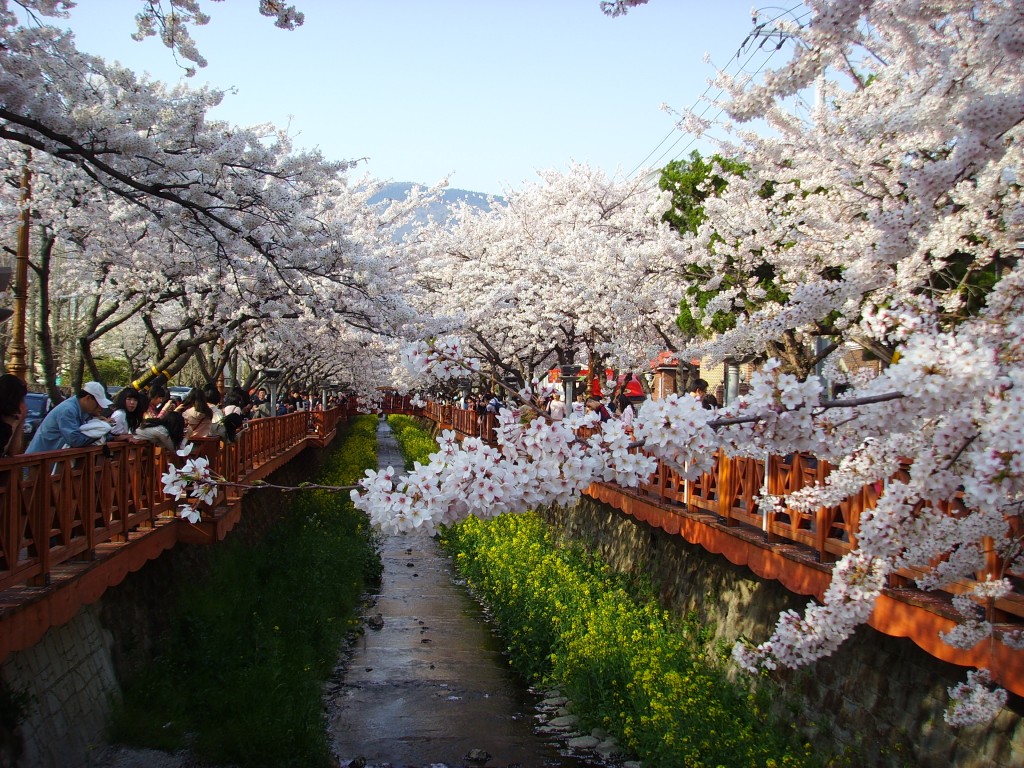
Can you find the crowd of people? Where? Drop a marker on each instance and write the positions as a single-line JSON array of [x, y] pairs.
[[614, 398], [145, 414], [152, 414]]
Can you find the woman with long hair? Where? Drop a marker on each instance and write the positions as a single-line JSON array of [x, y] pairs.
[[129, 411], [197, 414]]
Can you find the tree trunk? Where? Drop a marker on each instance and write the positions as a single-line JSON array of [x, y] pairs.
[[43, 332]]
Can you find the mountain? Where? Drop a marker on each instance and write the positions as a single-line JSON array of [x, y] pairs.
[[399, 190]]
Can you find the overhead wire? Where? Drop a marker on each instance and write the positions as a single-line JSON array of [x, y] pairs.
[[709, 103]]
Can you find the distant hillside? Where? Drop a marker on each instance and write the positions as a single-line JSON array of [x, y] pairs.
[[399, 190]]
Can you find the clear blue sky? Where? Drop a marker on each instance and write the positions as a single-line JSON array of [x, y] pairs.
[[489, 91]]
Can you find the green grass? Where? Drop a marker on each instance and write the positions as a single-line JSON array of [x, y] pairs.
[[239, 676], [413, 440]]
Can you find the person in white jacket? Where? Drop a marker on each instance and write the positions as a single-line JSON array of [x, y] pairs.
[[129, 411]]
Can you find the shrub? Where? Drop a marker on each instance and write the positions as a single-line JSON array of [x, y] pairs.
[[114, 371]]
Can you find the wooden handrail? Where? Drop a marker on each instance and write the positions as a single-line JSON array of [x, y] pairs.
[[59, 506]]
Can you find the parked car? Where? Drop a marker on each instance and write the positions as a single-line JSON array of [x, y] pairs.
[[38, 406], [178, 393]]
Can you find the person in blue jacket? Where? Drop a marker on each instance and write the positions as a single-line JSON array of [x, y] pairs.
[[62, 426]]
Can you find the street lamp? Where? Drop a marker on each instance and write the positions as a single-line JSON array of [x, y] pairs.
[[570, 375], [273, 379]]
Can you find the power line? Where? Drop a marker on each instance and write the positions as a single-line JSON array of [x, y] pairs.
[[754, 34]]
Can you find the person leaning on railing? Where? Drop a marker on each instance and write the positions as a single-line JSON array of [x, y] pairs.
[[167, 431], [160, 402], [129, 411], [200, 410], [62, 427], [260, 404]]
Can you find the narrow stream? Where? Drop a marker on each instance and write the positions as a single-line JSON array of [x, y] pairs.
[[427, 684]]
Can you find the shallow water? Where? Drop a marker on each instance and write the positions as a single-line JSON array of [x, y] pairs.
[[431, 684]]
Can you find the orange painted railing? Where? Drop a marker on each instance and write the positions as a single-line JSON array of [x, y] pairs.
[[392, 402], [719, 511], [465, 423], [74, 523], [59, 506]]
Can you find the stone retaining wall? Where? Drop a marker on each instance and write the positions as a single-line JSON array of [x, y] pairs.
[[878, 700], [56, 697]]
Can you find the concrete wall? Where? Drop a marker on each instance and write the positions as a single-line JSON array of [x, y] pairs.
[[878, 701], [69, 679]]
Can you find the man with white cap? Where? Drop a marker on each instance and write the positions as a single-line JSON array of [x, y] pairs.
[[62, 426]]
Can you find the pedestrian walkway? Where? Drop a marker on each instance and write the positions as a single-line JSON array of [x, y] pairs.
[[427, 684]]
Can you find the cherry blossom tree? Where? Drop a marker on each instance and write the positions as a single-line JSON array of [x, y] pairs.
[[897, 218], [216, 189], [569, 269], [233, 227]]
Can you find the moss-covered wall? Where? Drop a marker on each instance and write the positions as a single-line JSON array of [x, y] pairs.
[[59, 692]]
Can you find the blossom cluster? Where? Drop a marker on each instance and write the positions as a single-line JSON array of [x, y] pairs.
[[443, 359], [193, 480], [799, 640], [974, 701]]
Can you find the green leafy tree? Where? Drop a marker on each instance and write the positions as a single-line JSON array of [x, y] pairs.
[[114, 371], [692, 181]]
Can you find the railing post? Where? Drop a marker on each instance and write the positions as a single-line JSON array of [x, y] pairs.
[[821, 524], [686, 485], [725, 489], [41, 526], [88, 504]]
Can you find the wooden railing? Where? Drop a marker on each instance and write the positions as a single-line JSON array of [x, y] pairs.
[[392, 402], [465, 422], [59, 506], [731, 489]]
